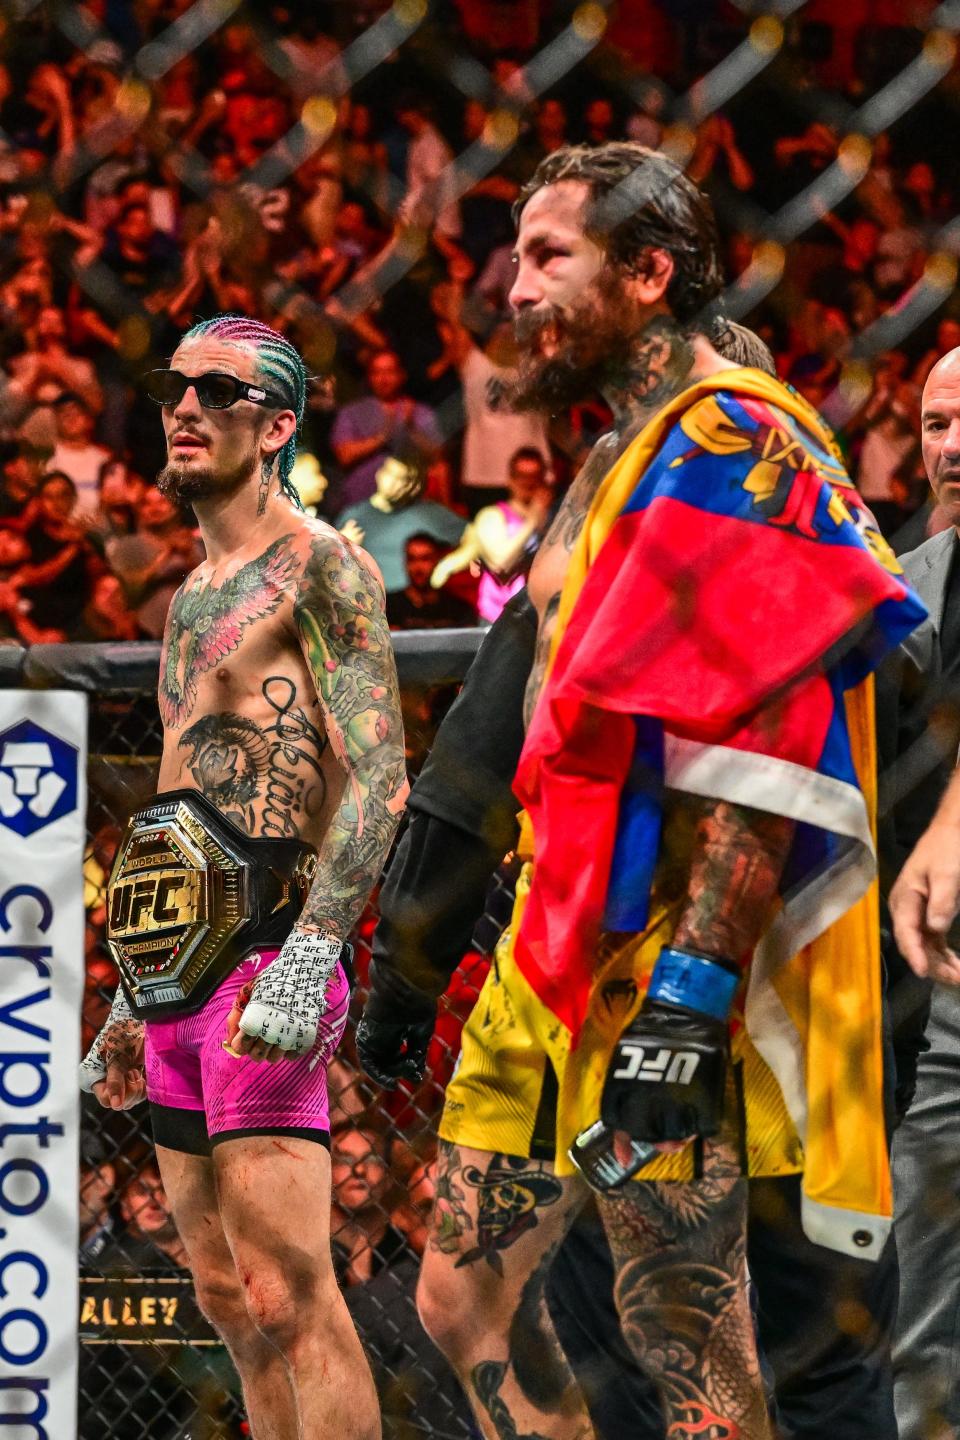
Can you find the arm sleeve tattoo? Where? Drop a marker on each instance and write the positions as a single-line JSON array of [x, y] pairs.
[[738, 857], [342, 627]]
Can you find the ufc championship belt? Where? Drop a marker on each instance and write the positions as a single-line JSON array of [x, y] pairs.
[[190, 895]]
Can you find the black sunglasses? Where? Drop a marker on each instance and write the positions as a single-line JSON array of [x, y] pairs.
[[215, 390]]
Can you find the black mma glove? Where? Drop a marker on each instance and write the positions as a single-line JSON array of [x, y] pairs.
[[667, 1075], [395, 1029]]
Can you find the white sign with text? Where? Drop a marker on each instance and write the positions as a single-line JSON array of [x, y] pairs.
[[43, 766]]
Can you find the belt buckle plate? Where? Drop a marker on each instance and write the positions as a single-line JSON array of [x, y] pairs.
[[178, 895]]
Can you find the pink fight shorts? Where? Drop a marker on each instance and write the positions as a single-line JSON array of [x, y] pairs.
[[200, 1094]]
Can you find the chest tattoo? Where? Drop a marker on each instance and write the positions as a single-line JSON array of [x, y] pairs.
[[568, 521], [207, 622]]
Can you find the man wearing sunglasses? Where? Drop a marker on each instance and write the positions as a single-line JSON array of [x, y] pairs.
[[281, 784]]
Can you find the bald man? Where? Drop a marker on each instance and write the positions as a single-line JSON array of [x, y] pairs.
[[923, 904]]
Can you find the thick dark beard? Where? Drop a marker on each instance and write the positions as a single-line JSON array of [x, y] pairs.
[[187, 483], [608, 343]]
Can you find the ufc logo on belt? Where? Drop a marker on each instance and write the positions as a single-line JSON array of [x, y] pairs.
[[140, 904], [672, 1067]]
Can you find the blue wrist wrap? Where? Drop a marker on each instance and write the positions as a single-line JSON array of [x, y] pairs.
[[694, 982]]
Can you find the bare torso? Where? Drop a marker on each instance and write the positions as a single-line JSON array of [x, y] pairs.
[[549, 568], [242, 720]]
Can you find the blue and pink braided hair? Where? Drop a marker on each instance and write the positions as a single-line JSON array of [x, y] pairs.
[[277, 360]]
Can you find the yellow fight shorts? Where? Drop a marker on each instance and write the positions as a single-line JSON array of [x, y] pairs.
[[519, 1089]]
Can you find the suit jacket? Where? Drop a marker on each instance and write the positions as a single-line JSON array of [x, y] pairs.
[[928, 570], [915, 760]]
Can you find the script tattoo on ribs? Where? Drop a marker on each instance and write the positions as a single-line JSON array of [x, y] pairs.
[[340, 618], [206, 622], [265, 779]]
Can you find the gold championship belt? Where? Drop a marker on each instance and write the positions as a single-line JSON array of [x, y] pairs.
[[190, 895]]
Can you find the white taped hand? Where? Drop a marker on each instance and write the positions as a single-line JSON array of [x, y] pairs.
[[120, 1043], [287, 1000]]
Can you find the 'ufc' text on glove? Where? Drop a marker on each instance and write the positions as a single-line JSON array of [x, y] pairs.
[[667, 1075]]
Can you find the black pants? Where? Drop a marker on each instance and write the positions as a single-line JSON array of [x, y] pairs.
[[824, 1320]]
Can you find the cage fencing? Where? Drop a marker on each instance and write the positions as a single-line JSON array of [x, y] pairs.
[[151, 1367], [150, 1364]]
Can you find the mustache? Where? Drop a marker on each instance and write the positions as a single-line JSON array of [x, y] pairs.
[[588, 337], [532, 325]]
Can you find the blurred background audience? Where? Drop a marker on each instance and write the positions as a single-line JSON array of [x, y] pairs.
[[387, 260], [366, 214]]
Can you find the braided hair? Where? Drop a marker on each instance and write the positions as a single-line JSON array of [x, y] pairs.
[[278, 360]]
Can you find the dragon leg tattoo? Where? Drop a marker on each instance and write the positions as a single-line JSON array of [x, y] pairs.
[[681, 1290]]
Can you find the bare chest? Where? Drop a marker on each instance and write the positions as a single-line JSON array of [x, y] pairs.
[[547, 574], [549, 570], [246, 729]]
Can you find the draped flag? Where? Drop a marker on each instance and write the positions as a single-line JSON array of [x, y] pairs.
[[725, 605], [728, 589]]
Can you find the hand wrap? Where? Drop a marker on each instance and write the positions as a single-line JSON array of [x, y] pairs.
[[288, 998], [121, 1032], [396, 1027], [667, 1076]]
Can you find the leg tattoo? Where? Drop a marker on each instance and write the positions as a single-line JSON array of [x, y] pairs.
[[510, 1191], [539, 1364], [681, 1290], [487, 1378], [491, 1318]]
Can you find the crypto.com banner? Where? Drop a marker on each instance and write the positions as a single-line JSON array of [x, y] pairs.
[[43, 739]]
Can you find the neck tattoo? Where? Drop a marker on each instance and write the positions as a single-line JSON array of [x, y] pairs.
[[266, 470], [658, 368]]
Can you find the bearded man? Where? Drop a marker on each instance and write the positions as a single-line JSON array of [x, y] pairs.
[[697, 921], [282, 781]]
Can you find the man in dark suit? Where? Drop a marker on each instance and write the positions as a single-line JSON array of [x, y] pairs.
[[927, 1145]]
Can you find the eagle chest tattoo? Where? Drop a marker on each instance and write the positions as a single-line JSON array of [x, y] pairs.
[[207, 623]]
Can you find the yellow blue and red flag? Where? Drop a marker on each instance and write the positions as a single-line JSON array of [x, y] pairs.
[[738, 590], [726, 604]]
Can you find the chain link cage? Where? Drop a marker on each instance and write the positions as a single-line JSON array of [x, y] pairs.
[[150, 1366]]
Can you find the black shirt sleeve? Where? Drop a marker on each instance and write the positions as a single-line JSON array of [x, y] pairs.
[[468, 777], [462, 814]]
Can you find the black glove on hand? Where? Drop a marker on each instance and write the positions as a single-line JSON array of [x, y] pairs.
[[395, 1030], [667, 1075]]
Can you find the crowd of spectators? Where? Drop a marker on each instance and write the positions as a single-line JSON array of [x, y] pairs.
[[263, 172], [253, 175]]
